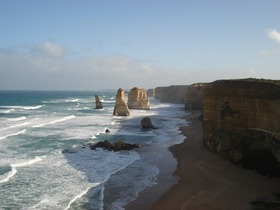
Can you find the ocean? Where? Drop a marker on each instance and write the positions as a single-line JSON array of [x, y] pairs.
[[45, 160]]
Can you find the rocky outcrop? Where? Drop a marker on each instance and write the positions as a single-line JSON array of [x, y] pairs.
[[98, 103], [138, 99], [117, 146], [194, 96], [151, 92], [146, 123], [241, 121], [172, 94], [120, 108]]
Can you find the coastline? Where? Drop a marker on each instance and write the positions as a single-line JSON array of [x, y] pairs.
[[207, 181]]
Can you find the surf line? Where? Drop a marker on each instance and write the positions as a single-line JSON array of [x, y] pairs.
[[13, 134], [55, 121], [16, 165], [80, 195]]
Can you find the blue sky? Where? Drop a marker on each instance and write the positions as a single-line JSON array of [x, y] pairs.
[[83, 44]]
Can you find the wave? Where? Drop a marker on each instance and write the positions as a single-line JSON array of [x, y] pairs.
[[12, 108], [14, 167], [55, 121], [7, 111], [17, 118], [15, 126], [108, 101], [13, 134], [80, 195], [68, 100]]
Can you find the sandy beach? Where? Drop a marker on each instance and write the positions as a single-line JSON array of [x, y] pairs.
[[207, 181]]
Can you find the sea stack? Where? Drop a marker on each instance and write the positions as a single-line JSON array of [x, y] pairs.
[[138, 99], [120, 108], [98, 103]]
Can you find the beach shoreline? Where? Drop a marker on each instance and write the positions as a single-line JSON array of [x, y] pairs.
[[205, 180]]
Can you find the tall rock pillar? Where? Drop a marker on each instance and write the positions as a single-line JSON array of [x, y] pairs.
[[98, 103], [120, 108]]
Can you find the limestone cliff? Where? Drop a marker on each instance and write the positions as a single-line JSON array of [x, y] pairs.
[[120, 108], [194, 96], [98, 103], [138, 99], [151, 92], [171, 94], [241, 121]]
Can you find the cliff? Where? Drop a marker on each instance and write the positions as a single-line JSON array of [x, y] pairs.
[[171, 94], [138, 99], [120, 108], [151, 92], [241, 121], [195, 95]]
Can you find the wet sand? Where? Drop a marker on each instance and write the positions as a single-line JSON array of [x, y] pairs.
[[207, 181]]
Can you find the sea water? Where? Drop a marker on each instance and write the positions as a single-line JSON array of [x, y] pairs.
[[45, 160]]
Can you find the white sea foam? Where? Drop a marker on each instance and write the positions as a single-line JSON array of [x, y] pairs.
[[12, 134], [22, 107], [65, 100], [73, 100], [17, 118], [80, 195], [7, 111], [15, 126], [16, 165], [54, 121]]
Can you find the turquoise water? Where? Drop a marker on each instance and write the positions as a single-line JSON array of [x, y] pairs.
[[37, 126]]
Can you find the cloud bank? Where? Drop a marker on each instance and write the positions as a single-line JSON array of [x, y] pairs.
[[50, 49], [48, 66]]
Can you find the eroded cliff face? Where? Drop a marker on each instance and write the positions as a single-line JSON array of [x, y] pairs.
[[121, 108], [195, 93], [241, 121], [151, 92], [172, 94], [138, 99]]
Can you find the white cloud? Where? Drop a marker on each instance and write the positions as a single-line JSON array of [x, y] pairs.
[[51, 49], [274, 35]]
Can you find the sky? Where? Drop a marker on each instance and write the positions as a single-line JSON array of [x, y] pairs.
[[108, 44]]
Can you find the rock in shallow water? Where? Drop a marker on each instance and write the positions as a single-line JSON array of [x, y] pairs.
[[117, 146], [146, 123]]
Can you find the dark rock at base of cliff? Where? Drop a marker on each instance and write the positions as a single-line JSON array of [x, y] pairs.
[[117, 146], [146, 123], [263, 161]]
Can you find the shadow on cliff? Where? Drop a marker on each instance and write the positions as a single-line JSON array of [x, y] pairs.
[[267, 203]]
